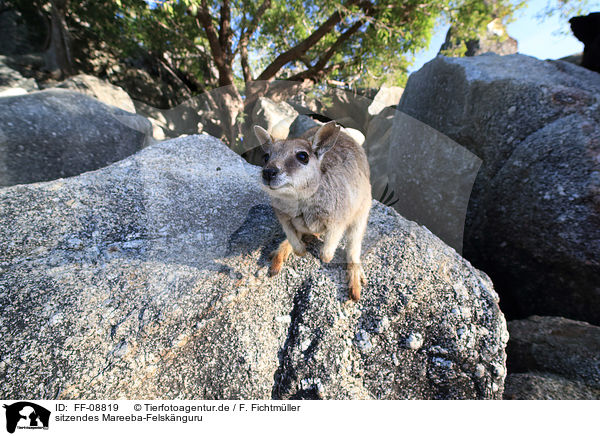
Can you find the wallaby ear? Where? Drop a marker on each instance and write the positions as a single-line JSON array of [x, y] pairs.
[[263, 136], [325, 138]]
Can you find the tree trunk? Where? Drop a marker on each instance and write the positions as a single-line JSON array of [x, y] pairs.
[[58, 53], [230, 106]]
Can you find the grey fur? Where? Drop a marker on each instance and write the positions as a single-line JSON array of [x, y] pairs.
[[327, 196]]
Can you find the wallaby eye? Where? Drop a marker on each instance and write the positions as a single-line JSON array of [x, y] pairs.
[[302, 156], [266, 157]]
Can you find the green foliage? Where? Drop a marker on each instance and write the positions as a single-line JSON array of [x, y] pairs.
[[380, 51], [470, 20], [566, 9]]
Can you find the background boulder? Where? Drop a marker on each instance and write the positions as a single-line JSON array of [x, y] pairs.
[[532, 221], [275, 118], [377, 147], [99, 89], [187, 118], [301, 124], [11, 78], [544, 386], [567, 348], [349, 108], [385, 97], [17, 37], [147, 279], [553, 358], [431, 175], [57, 133], [492, 39]]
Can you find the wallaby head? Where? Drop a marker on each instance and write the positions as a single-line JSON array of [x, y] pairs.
[[292, 167]]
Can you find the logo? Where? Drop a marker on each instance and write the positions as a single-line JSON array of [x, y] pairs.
[[26, 415]]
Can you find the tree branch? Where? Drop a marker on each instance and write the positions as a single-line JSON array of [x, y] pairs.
[[246, 71], [246, 33], [205, 21], [316, 75], [172, 73], [225, 34], [313, 71], [299, 49], [266, 4]]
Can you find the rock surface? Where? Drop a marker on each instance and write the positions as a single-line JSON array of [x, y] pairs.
[[147, 279], [301, 124], [570, 349], [386, 96], [377, 147], [431, 176], [183, 119], [17, 37], [101, 90], [11, 78], [349, 108], [276, 118], [144, 81], [534, 214], [541, 386], [58, 133]]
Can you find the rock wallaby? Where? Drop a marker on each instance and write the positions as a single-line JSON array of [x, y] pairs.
[[318, 185]]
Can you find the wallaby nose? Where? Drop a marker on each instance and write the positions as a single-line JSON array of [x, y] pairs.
[[269, 173]]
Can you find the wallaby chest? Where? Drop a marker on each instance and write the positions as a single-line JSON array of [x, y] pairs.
[[302, 225], [305, 217]]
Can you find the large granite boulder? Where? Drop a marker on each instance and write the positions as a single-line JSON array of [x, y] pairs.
[[546, 386], [385, 97], [58, 133], [99, 89], [349, 108], [533, 216], [184, 119], [148, 279], [11, 78], [567, 348], [301, 124], [377, 147], [275, 117], [553, 358]]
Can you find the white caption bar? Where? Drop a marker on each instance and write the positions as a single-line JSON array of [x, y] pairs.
[[129, 417]]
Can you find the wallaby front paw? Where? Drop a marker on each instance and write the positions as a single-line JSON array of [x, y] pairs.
[[326, 256], [300, 250], [356, 277]]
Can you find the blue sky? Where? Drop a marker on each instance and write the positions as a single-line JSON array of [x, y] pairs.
[[536, 38]]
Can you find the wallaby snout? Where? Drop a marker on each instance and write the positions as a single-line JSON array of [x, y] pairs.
[[269, 173]]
